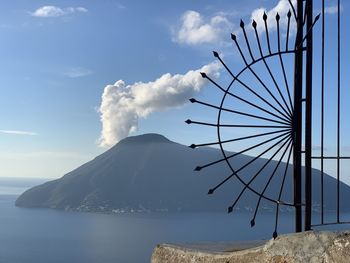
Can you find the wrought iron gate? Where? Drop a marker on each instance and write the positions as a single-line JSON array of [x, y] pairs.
[[276, 110]]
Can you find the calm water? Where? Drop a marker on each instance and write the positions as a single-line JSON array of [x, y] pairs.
[[44, 235]]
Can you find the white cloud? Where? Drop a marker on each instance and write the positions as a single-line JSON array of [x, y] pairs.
[[281, 8], [78, 72], [122, 105], [332, 10], [195, 30], [18, 132], [54, 11]]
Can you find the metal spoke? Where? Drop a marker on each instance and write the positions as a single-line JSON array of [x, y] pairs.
[[234, 125], [198, 168], [230, 209], [309, 30], [267, 32], [267, 66], [211, 191], [246, 40], [284, 113], [288, 29], [244, 100], [247, 87], [193, 146], [269, 181], [238, 112], [294, 12], [281, 190], [234, 38], [281, 60]]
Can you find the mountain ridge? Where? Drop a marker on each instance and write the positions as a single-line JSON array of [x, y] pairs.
[[151, 173]]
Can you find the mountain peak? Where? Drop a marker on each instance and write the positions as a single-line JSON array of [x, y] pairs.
[[145, 138]]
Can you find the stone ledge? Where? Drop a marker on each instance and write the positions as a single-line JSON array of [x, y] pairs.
[[313, 247]]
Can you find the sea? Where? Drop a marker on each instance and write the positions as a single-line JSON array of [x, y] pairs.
[[47, 235]]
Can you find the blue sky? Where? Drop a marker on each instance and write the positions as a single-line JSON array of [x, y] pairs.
[[57, 57]]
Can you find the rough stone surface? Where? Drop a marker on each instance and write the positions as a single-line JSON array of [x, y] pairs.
[[313, 247]]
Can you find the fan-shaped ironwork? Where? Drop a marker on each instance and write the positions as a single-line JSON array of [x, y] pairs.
[[268, 108]]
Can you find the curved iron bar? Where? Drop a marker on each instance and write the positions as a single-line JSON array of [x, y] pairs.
[[252, 222], [303, 17], [288, 114], [267, 56], [220, 141], [250, 89], [243, 182], [274, 235], [293, 8], [246, 67], [198, 168], [243, 100], [234, 38], [212, 190], [289, 107], [230, 208], [238, 177], [237, 112]]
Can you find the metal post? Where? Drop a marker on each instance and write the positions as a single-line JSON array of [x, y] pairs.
[[308, 119], [297, 117]]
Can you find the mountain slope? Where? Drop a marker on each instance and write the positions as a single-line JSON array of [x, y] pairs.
[[150, 172]]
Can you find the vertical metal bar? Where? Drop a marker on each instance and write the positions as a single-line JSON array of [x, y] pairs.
[[267, 32], [280, 57], [297, 118], [308, 118], [288, 29], [338, 121], [292, 6], [281, 190], [322, 117], [246, 40], [270, 178]]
